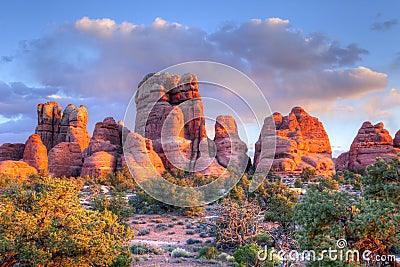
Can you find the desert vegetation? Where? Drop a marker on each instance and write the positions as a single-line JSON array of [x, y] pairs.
[[89, 221]]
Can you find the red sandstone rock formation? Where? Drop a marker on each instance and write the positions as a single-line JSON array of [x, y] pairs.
[[170, 113], [55, 127], [49, 117], [138, 151], [104, 151], [99, 163], [76, 131], [65, 159], [301, 141], [18, 169], [11, 151], [396, 140], [372, 141], [230, 149], [35, 153]]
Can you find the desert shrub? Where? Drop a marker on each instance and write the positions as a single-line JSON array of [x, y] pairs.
[[116, 204], [263, 239], [248, 256], [190, 232], [238, 222], [208, 252], [203, 235], [307, 174], [139, 249], [180, 253], [192, 241], [144, 232], [46, 213], [123, 260], [298, 183]]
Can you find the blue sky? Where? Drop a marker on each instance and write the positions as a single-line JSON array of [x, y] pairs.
[[338, 59]]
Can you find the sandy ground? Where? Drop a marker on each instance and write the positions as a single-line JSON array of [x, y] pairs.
[[168, 232]]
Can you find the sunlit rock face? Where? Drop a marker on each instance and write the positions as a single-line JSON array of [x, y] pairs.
[[371, 141], [301, 141], [35, 153]]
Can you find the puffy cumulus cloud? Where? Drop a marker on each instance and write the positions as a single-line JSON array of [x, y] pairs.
[[99, 62]]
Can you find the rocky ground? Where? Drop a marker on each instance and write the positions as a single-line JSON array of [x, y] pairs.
[[161, 234]]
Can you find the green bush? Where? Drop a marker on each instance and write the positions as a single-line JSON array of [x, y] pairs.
[[179, 253], [192, 241], [248, 256], [208, 253]]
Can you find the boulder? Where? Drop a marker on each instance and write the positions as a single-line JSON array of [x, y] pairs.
[[65, 159], [11, 151], [17, 169], [35, 153]]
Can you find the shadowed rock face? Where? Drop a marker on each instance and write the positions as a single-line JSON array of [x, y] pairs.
[[48, 128], [11, 151], [396, 140], [35, 153], [371, 141], [230, 148], [65, 159], [301, 141]]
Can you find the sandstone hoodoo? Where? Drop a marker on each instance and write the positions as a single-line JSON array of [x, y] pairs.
[[55, 126], [65, 159], [11, 151], [371, 141], [396, 140], [170, 113], [301, 141], [105, 149], [48, 128], [35, 153], [76, 131], [230, 148]]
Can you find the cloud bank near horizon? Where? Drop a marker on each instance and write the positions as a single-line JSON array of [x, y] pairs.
[[99, 62]]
